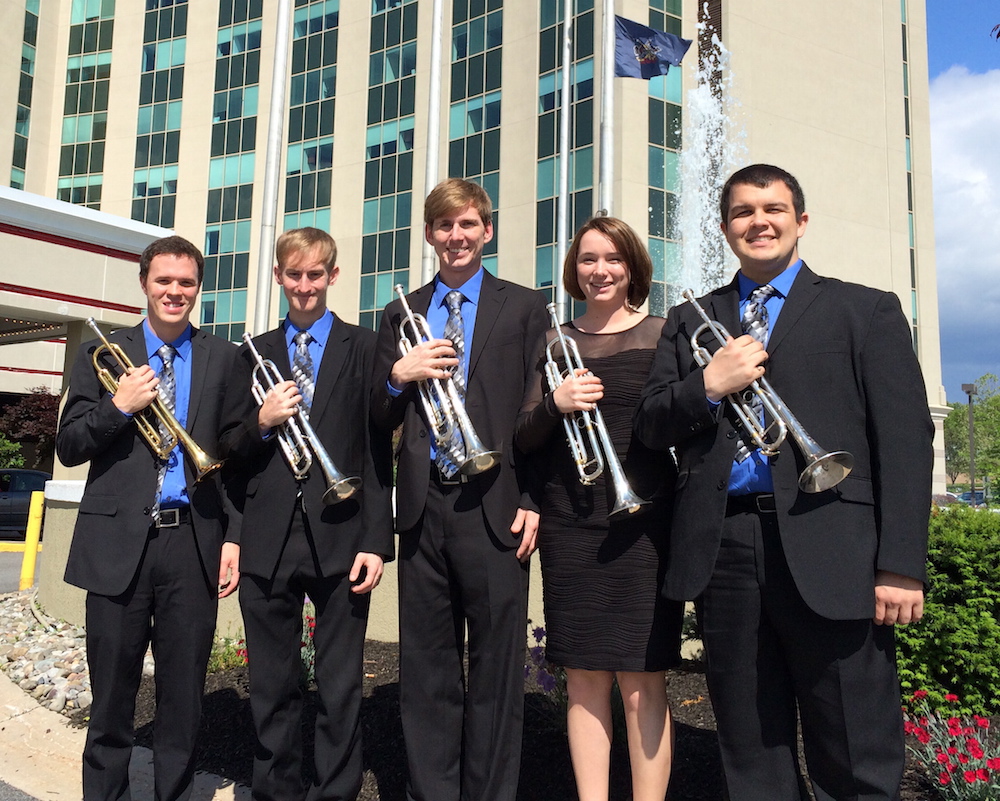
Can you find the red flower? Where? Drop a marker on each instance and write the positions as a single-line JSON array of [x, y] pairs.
[[952, 750], [923, 736], [970, 776], [983, 775], [918, 694], [993, 764], [963, 758], [942, 758], [951, 697], [954, 727], [982, 723], [944, 778]]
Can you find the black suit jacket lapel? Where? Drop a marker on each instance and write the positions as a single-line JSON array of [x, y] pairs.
[[491, 300], [201, 357], [724, 308], [334, 356], [804, 291]]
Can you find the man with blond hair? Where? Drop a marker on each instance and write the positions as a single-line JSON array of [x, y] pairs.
[[295, 542], [464, 541]]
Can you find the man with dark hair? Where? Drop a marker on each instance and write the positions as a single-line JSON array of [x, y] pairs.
[[154, 547], [798, 590], [463, 540], [296, 542]]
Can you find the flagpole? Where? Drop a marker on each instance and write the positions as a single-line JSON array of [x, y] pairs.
[[272, 169], [605, 192], [565, 109], [428, 261]]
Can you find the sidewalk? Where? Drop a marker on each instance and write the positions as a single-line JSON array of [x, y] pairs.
[[40, 755]]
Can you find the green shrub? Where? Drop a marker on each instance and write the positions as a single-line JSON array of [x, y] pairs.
[[956, 647], [10, 454]]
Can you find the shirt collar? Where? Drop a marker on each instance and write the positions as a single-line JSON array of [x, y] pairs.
[[470, 289], [319, 331], [153, 343], [782, 282]]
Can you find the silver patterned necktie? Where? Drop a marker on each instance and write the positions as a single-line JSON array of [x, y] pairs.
[[454, 329], [302, 370], [755, 323], [449, 454], [167, 391]]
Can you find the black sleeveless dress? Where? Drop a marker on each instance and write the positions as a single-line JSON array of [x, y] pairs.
[[601, 581]]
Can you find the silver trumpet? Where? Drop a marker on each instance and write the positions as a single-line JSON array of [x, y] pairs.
[[586, 433], [443, 405], [824, 469], [296, 437]]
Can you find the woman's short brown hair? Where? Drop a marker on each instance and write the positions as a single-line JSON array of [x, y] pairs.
[[627, 243]]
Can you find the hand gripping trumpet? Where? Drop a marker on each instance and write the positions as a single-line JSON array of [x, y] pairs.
[[823, 469], [590, 444], [442, 402], [296, 437], [157, 424]]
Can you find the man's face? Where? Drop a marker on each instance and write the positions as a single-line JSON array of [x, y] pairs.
[[762, 229], [458, 240], [171, 288], [305, 279]]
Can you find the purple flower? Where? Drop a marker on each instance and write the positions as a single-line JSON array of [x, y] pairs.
[[546, 681], [539, 633]]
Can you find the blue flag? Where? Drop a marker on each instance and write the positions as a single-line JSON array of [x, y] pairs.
[[642, 52]]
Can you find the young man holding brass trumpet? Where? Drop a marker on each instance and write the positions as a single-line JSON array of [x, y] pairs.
[[155, 540], [800, 560], [318, 521], [451, 367]]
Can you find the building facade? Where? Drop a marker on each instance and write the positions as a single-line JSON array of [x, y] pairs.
[[159, 110]]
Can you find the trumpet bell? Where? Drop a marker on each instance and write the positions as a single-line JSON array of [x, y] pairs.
[[826, 472], [627, 506], [341, 490], [479, 462]]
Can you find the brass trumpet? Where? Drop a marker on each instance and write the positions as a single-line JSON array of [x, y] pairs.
[[157, 424], [442, 402], [296, 437], [590, 444], [824, 469]]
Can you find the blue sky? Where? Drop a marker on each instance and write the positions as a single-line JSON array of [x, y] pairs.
[[964, 68]]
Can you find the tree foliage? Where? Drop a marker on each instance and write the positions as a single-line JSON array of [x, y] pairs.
[[986, 420], [10, 454], [33, 418]]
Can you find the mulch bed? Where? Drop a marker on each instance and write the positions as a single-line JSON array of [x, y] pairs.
[[226, 739]]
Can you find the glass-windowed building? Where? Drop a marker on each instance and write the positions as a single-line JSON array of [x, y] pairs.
[[158, 110]]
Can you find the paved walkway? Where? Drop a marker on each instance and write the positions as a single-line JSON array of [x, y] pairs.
[[40, 756]]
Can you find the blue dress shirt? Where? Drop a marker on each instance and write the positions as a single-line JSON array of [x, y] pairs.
[[174, 491], [754, 473]]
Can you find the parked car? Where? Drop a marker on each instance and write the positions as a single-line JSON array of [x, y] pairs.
[[16, 487], [966, 497]]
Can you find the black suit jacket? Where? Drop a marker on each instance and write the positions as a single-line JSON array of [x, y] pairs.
[[341, 420], [509, 321], [841, 359], [111, 526]]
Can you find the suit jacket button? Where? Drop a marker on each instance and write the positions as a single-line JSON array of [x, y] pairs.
[[722, 484], [423, 433], [731, 435], [147, 511]]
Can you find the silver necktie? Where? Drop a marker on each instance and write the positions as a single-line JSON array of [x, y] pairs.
[[302, 370]]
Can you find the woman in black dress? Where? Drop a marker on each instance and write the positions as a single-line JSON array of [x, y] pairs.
[[605, 618]]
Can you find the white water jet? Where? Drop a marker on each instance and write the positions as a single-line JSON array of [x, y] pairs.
[[713, 147]]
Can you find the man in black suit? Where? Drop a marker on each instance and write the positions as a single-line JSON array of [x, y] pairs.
[[294, 544], [797, 592], [148, 545], [463, 540]]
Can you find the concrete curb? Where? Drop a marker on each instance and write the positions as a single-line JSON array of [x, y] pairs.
[[40, 753]]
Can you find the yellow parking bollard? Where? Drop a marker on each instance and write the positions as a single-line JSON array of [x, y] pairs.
[[31, 537]]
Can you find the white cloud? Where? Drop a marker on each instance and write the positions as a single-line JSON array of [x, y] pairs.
[[965, 144]]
